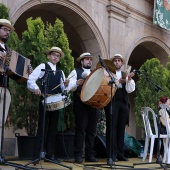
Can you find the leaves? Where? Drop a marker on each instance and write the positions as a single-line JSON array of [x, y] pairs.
[[154, 75], [33, 45], [4, 11]]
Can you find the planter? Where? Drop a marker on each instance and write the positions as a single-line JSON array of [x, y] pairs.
[[64, 146], [25, 146]]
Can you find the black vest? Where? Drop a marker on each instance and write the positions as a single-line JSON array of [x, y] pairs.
[[53, 80], [121, 93], [2, 76], [77, 92]]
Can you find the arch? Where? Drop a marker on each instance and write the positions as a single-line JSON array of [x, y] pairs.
[[146, 39], [75, 8]]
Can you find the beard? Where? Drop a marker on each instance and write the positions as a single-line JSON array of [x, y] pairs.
[[4, 40], [87, 67]]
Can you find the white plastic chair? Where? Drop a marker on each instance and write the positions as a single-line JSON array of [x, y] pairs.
[[151, 132], [164, 108]]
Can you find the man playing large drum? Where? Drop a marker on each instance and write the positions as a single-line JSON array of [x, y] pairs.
[[86, 117], [55, 78], [120, 112]]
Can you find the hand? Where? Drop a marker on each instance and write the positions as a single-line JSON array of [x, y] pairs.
[[66, 82], [131, 75], [37, 92], [30, 69], [80, 82], [122, 81]]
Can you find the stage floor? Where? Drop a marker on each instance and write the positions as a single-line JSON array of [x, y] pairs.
[[118, 165]]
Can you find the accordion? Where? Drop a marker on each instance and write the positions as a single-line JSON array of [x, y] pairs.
[[17, 66]]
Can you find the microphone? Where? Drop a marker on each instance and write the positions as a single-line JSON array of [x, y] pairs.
[[101, 62], [47, 70]]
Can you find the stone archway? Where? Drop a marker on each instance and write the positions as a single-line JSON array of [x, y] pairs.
[[145, 48], [82, 32]]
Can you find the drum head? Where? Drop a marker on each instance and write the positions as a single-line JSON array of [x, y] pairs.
[[57, 102], [92, 84], [55, 98]]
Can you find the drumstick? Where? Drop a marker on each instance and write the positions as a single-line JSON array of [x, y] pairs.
[[63, 82]]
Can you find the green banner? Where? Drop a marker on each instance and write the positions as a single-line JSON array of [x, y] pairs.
[[162, 13]]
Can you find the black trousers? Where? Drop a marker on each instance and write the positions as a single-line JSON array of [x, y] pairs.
[[51, 119], [86, 118], [115, 134]]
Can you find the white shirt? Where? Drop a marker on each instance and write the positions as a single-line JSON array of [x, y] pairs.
[[130, 84], [72, 84], [38, 74], [2, 45]]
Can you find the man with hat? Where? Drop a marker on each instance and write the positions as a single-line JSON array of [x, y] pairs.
[[86, 117], [55, 77], [5, 30], [120, 112]]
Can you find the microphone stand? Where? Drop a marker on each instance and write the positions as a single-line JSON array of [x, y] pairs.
[[2, 159], [110, 162], [42, 153], [157, 88]]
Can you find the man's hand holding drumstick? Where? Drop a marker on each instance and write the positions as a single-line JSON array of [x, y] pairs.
[[66, 82], [80, 82]]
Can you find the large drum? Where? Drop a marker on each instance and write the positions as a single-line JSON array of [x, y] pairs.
[[96, 90], [56, 102]]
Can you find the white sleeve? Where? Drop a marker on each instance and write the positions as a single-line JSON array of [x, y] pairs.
[[72, 83], [34, 76], [130, 86]]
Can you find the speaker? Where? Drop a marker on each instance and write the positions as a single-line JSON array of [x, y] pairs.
[[100, 148]]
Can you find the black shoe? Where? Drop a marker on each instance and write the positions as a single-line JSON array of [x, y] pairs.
[[51, 158], [121, 158], [91, 159], [78, 160]]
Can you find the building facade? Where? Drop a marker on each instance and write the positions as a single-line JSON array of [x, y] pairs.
[[101, 27]]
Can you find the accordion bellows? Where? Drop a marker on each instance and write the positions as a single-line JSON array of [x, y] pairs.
[[17, 66]]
